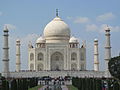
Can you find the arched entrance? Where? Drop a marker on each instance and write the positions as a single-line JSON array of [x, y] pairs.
[[57, 62]]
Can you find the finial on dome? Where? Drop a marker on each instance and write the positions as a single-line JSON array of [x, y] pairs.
[[56, 12]]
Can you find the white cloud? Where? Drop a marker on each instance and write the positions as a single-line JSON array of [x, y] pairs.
[[10, 26], [115, 28], [105, 17], [91, 27], [101, 28], [81, 20], [69, 17], [112, 28], [1, 13], [29, 37]]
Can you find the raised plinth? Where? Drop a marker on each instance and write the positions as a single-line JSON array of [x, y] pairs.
[[83, 74]]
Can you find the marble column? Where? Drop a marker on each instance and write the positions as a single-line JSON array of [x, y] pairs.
[[96, 56], [5, 60], [18, 63], [107, 47]]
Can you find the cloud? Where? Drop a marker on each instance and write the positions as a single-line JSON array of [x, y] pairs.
[[91, 27], [29, 37], [105, 17], [69, 17], [101, 28], [81, 20], [112, 28], [1, 13], [10, 26], [115, 28]]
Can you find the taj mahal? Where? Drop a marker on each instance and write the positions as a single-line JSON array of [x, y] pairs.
[[57, 50], [56, 53]]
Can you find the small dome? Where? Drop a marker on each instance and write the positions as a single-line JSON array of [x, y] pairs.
[[95, 39], [107, 28], [40, 40], [73, 40], [57, 29], [18, 40]]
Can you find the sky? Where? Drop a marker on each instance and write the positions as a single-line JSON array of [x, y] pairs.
[[26, 20]]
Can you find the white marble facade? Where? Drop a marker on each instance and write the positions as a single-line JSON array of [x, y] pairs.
[[57, 50], [56, 53]]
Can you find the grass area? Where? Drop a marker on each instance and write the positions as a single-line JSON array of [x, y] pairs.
[[35, 88], [71, 87]]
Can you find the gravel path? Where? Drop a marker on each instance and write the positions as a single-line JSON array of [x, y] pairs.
[[64, 87]]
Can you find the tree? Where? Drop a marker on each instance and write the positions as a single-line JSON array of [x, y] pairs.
[[114, 67]]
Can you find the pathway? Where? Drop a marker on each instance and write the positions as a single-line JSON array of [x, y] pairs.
[[42, 88], [64, 87]]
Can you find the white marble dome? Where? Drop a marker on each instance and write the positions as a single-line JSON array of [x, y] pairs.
[[73, 40], [40, 40], [57, 29]]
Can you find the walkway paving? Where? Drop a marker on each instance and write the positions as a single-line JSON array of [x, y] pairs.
[[64, 87]]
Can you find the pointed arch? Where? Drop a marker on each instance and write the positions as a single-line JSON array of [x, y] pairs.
[[73, 56], [74, 66], [57, 61], [31, 66], [40, 67], [82, 67], [31, 56], [82, 56], [40, 56]]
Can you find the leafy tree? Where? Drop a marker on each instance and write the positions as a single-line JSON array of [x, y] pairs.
[[114, 67]]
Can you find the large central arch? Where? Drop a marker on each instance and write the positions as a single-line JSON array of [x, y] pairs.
[[57, 61]]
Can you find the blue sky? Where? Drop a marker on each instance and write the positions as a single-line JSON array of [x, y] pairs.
[[26, 19]]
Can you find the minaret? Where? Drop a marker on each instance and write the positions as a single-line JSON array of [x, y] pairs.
[[96, 56], [5, 53], [107, 47], [18, 63]]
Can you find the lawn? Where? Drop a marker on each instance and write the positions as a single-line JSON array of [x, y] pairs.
[[35, 88], [71, 87]]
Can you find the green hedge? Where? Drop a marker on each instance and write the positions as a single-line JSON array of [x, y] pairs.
[[18, 84], [95, 83]]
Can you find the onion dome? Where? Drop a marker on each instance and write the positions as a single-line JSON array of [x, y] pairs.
[[95, 39], [57, 31], [40, 40], [73, 40]]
